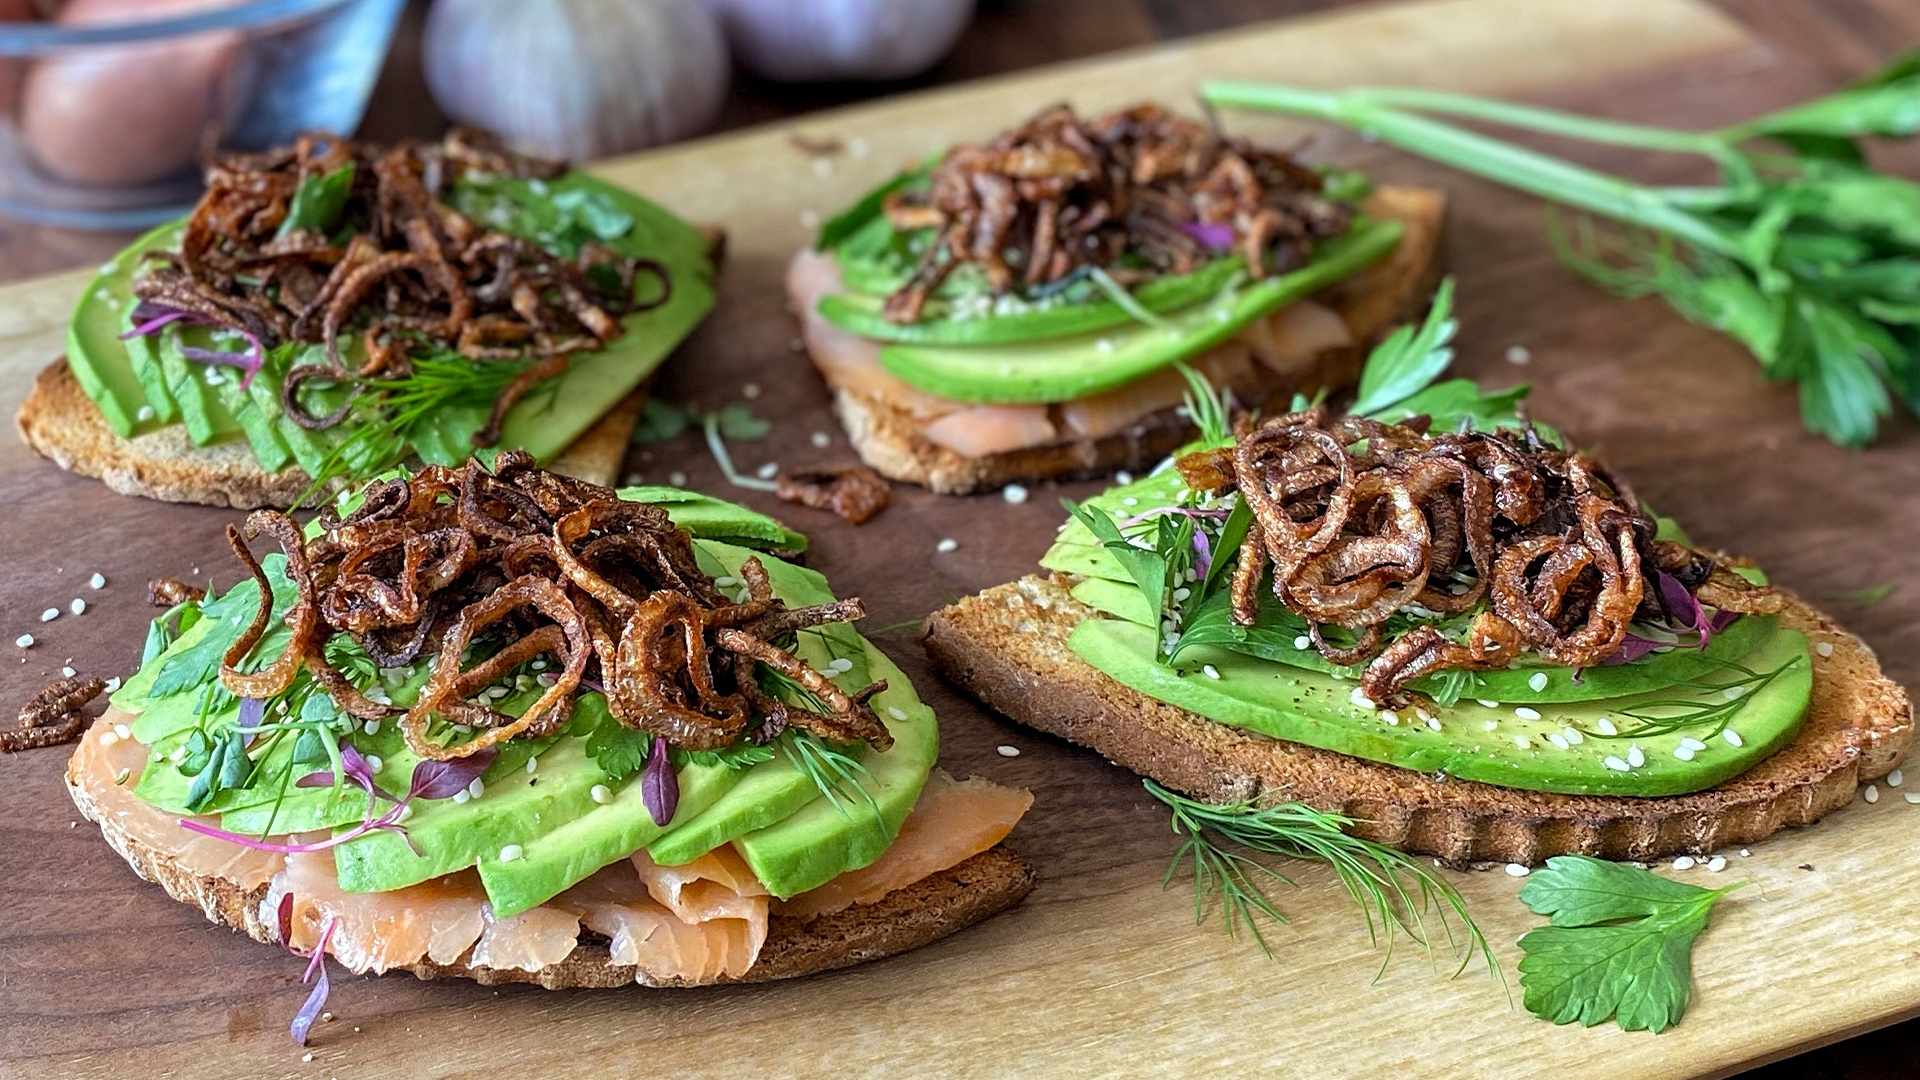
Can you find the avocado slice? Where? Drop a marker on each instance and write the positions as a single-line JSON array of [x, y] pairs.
[[724, 522], [94, 350], [1474, 742], [1066, 368], [824, 840], [860, 312]]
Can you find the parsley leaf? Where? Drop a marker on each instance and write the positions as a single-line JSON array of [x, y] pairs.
[[318, 201], [660, 421], [1409, 358], [1619, 943], [619, 750], [1146, 566]]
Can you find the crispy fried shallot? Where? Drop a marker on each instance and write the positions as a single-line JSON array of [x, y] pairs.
[[398, 268], [53, 716], [489, 571], [1355, 520], [853, 492], [1058, 195]]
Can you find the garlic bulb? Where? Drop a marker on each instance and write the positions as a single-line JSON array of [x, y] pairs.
[[815, 40], [577, 79]]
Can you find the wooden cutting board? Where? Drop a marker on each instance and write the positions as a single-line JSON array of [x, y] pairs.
[[1101, 972]]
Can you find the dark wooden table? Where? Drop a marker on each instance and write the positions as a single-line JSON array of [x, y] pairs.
[[1836, 38]]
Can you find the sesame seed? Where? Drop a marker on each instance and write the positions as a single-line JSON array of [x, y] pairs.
[[1912, 797], [1896, 778], [1525, 713], [1008, 751], [510, 853], [371, 727], [1538, 682], [768, 471], [1684, 753], [1433, 722], [122, 731], [1733, 737], [1390, 716], [947, 545], [1014, 493], [1605, 727], [308, 1056], [1123, 477], [25, 641], [1731, 693], [841, 664], [1519, 354], [1303, 642], [1210, 671], [1489, 725], [1129, 501], [809, 219], [1692, 743], [1361, 699], [406, 811], [1522, 741], [823, 166], [1824, 648], [50, 614], [896, 712], [375, 763], [1182, 593], [1746, 853], [67, 671], [460, 796], [1716, 864], [1615, 763], [1872, 794], [601, 794], [1684, 862], [533, 763], [108, 738], [113, 684], [1573, 736], [1515, 869], [1635, 757], [477, 788], [99, 581], [820, 439], [145, 414], [1559, 741], [1488, 704], [1423, 714], [677, 479], [858, 146]]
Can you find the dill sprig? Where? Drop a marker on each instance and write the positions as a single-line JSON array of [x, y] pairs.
[[837, 774], [1665, 716], [1207, 407], [1394, 891]]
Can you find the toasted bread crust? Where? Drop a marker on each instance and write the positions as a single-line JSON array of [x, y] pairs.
[[929, 909], [891, 440], [1008, 647], [62, 424]]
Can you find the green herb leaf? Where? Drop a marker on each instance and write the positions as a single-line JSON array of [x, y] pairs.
[[619, 750], [1206, 407], [836, 229], [1146, 566], [1620, 944], [595, 213], [743, 755], [660, 421], [737, 422], [317, 202], [1409, 358]]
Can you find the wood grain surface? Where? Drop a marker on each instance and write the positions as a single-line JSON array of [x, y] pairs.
[[1100, 973]]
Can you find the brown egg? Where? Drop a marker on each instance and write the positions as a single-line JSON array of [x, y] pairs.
[[127, 114]]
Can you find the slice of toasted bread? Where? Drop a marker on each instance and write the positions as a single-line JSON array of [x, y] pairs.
[[1008, 647], [891, 438], [907, 918], [61, 423]]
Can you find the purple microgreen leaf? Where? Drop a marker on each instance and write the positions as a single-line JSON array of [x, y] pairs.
[[1632, 648], [659, 787], [1203, 554], [317, 1000], [1215, 235], [252, 712], [148, 318], [285, 919], [316, 778], [445, 779], [1682, 604], [1723, 619]]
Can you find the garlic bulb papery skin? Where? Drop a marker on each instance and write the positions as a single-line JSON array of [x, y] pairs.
[[578, 79], [818, 40]]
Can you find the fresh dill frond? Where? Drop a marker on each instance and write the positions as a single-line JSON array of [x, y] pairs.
[[1207, 407], [1394, 891], [837, 774], [1666, 716]]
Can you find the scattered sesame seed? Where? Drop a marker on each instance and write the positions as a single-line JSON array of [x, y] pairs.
[[375, 763], [1209, 671], [946, 545], [122, 777], [1635, 756], [1014, 493], [1433, 722], [1358, 697], [371, 727], [858, 147], [113, 684], [98, 581], [823, 166], [1912, 797], [1488, 704], [510, 853], [809, 219], [821, 439], [108, 738], [406, 811], [601, 794], [841, 664], [677, 479], [1896, 778], [1182, 593], [67, 671], [1746, 853], [1605, 727], [1526, 713], [768, 471], [1732, 693], [750, 390], [1538, 682], [1489, 725], [477, 788], [1716, 864], [50, 614], [1692, 743], [1573, 736], [460, 796], [1559, 741], [1615, 763], [1519, 354], [122, 731], [1684, 753], [1123, 478], [1303, 642], [1390, 717], [1684, 862], [1824, 648], [1733, 737], [145, 414], [308, 1056], [25, 641], [1008, 751], [1515, 869], [1522, 741], [533, 763], [1872, 794]]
